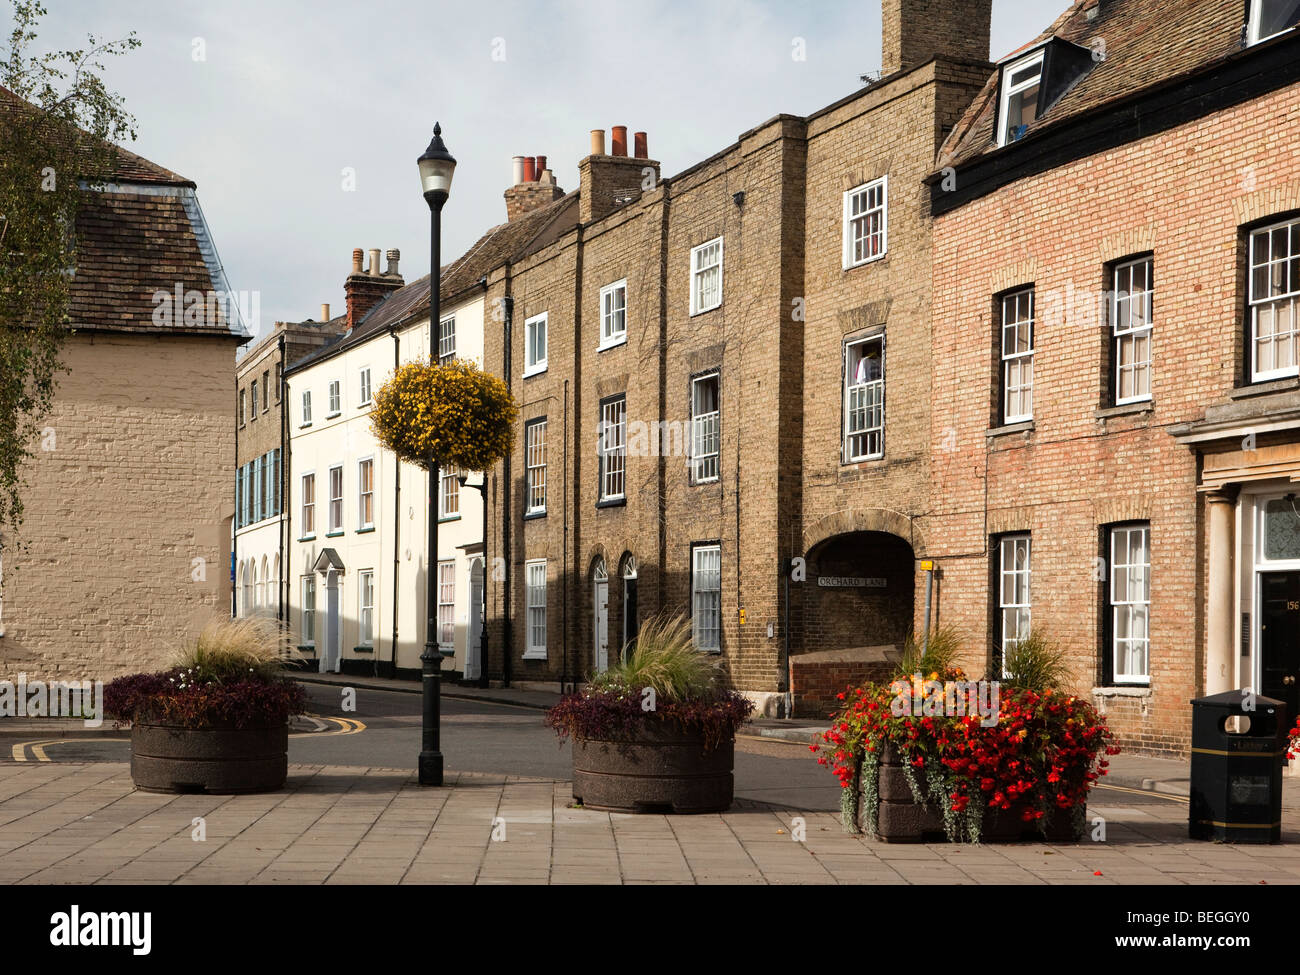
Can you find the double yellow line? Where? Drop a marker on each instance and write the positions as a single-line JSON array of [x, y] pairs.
[[343, 726]]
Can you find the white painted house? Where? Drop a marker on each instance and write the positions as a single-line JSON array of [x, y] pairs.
[[357, 518]]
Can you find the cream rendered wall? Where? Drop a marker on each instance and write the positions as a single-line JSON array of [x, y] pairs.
[[347, 439]]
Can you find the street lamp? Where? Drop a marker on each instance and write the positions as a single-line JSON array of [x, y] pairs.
[[482, 616], [436, 169]]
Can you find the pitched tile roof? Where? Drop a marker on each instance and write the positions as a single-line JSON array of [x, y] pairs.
[[510, 241], [140, 234], [1146, 43]]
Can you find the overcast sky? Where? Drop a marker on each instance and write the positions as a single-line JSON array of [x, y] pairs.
[[289, 95]]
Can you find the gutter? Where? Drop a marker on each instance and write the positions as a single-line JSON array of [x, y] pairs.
[[507, 642], [281, 613]]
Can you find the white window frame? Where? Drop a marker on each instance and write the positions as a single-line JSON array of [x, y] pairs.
[[335, 399], [1127, 307], [535, 611], [610, 315], [1134, 603], [307, 625], [243, 402], [533, 366], [706, 598], [1021, 362], [864, 406], [448, 488], [1008, 573], [447, 605], [308, 508], [363, 381], [306, 407], [365, 498], [852, 220], [366, 608], [611, 448], [336, 503], [1289, 300], [535, 466], [1256, 11], [706, 434], [266, 390], [447, 339], [1008, 90], [698, 270], [252, 399]]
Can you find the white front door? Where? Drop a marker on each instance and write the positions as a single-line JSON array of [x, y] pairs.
[[474, 658], [601, 618]]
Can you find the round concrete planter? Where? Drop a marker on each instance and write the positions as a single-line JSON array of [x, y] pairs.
[[656, 768], [215, 758]]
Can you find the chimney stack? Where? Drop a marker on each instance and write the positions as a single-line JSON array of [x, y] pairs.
[[516, 170], [364, 289], [324, 311], [535, 188], [393, 255], [918, 31], [608, 182]]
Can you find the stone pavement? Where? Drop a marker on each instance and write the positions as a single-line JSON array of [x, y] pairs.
[[84, 823]]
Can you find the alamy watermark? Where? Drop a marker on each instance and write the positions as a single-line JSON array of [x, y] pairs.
[[53, 699], [946, 698]]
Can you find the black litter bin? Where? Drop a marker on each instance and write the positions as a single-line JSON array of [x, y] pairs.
[[1236, 787]]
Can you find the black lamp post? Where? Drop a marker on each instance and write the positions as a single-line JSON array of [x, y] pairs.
[[482, 616], [436, 169]]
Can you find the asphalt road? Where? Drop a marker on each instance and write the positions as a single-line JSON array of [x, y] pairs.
[[384, 731]]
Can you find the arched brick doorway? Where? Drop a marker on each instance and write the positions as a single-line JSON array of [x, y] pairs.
[[859, 601]]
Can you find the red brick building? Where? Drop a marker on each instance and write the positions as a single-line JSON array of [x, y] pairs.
[[1115, 396]]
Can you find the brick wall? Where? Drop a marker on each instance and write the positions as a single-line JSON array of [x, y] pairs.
[[137, 486]]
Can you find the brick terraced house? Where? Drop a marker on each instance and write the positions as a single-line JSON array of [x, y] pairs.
[[261, 462], [1115, 399], [725, 371], [129, 496]]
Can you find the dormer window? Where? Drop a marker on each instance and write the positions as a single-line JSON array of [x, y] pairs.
[[1021, 84], [1032, 84], [1269, 18]]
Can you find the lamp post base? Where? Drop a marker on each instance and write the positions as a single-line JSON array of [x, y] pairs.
[[430, 768]]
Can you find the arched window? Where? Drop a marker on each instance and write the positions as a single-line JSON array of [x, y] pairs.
[[273, 587], [247, 575], [257, 590], [263, 595]]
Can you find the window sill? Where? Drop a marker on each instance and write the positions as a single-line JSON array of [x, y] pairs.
[[706, 482], [362, 406], [443, 519], [612, 503], [1025, 426], [530, 373], [1124, 409], [307, 648], [365, 530], [337, 534], [857, 463], [330, 416], [534, 655], [308, 538], [871, 260], [1122, 690], [369, 649], [531, 515], [612, 345], [705, 311], [1286, 385], [304, 426]]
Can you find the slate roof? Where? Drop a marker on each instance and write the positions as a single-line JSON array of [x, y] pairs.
[[510, 241], [1147, 43], [143, 233]]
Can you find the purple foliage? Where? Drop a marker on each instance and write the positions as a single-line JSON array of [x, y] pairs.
[[245, 702], [607, 715]]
